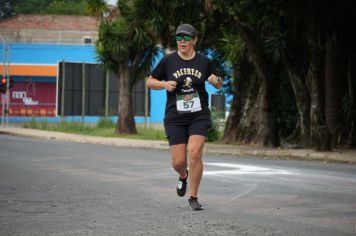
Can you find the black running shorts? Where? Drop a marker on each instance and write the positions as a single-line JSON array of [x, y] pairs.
[[178, 134]]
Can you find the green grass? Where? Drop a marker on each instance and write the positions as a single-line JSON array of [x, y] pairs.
[[104, 128]]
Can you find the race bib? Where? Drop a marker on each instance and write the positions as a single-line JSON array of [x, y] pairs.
[[188, 102]]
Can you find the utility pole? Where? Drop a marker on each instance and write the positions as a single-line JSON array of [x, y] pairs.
[[5, 78], [7, 107]]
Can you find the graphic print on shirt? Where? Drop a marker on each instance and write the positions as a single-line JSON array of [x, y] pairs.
[[187, 71], [187, 97]]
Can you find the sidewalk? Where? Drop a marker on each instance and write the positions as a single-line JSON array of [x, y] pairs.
[[345, 156]]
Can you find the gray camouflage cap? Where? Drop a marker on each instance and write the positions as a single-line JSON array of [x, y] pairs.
[[186, 29]]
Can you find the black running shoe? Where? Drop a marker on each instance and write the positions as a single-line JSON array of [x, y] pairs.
[[182, 186], [194, 204]]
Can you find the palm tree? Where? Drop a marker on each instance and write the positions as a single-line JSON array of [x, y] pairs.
[[125, 47], [97, 8], [162, 19]]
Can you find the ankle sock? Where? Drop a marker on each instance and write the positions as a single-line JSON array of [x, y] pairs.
[[186, 176]]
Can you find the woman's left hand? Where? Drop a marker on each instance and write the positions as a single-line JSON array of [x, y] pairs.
[[215, 81]]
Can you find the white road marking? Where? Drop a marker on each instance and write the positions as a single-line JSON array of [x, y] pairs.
[[246, 192], [235, 169]]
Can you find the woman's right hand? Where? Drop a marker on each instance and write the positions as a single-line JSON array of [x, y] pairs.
[[170, 85]]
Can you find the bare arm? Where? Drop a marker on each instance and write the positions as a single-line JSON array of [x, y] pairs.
[[153, 83]]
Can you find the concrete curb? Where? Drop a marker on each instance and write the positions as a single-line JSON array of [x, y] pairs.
[[344, 156]]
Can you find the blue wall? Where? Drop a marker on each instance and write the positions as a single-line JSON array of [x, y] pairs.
[[87, 119], [50, 53]]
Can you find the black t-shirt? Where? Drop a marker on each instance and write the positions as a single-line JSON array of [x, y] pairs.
[[189, 101]]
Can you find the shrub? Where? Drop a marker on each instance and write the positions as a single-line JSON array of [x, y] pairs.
[[105, 122], [213, 132]]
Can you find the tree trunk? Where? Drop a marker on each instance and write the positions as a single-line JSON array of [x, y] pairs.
[[267, 134], [352, 104], [231, 125], [303, 103], [319, 135], [240, 126], [333, 103], [126, 120]]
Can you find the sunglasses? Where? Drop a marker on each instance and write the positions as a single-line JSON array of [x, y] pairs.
[[185, 37]]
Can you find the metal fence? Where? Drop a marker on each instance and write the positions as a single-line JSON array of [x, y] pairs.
[[86, 90], [218, 105]]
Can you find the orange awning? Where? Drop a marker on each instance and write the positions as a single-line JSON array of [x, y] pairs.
[[32, 70]]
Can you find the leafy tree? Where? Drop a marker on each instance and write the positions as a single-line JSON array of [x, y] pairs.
[[244, 19], [126, 47], [316, 36], [273, 47], [303, 40], [66, 7], [7, 10], [96, 8], [55, 7], [162, 19]]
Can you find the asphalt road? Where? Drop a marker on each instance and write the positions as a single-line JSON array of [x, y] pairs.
[[51, 187]]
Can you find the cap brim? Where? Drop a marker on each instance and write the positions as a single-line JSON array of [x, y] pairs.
[[185, 33]]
